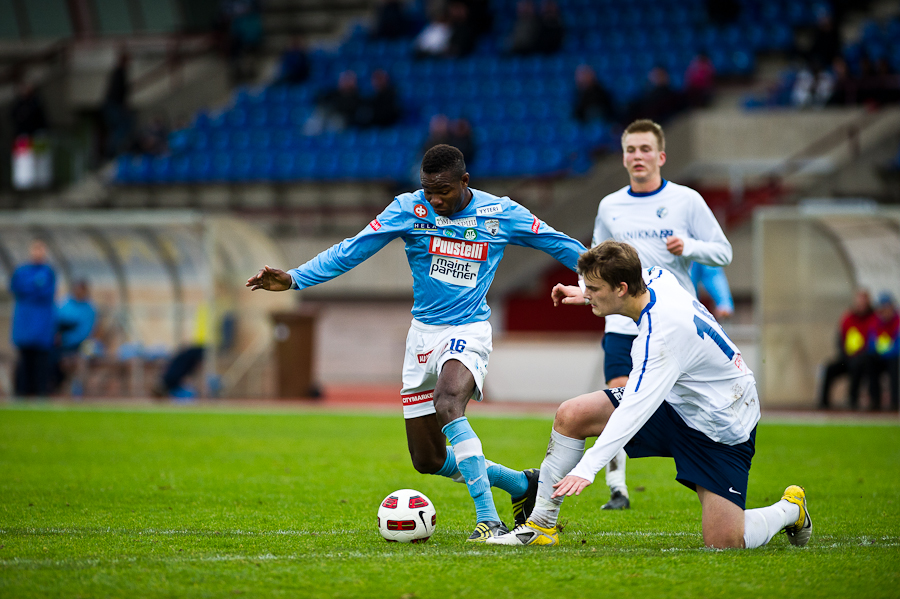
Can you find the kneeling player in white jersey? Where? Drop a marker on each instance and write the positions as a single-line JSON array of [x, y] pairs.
[[455, 237], [690, 397]]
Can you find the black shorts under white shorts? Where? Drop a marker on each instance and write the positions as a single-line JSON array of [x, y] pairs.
[[699, 461]]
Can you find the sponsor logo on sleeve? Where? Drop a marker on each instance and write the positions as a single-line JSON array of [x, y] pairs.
[[492, 225], [411, 399], [424, 228], [423, 358], [535, 225], [420, 210], [443, 221], [487, 210], [375, 224], [471, 234]]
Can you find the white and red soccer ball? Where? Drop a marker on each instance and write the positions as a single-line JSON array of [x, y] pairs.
[[406, 516]]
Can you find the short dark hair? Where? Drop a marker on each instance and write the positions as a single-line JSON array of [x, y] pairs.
[[615, 262], [444, 159]]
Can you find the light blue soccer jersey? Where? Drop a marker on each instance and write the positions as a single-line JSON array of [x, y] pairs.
[[452, 259]]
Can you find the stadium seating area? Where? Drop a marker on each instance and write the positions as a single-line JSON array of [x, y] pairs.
[[512, 102]]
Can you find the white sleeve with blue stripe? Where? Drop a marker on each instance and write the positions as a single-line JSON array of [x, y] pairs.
[[652, 378]]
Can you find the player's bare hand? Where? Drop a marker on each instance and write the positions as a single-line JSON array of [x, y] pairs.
[[570, 485], [567, 294], [675, 245], [270, 279]]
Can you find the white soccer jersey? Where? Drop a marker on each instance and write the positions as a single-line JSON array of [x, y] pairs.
[[682, 356], [645, 220]]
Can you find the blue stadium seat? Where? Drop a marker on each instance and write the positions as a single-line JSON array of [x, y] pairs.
[[160, 170]]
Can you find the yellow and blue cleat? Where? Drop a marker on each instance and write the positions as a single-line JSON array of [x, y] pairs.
[[799, 532]]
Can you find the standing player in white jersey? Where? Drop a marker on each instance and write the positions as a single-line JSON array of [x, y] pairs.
[[455, 237], [690, 396], [670, 226]]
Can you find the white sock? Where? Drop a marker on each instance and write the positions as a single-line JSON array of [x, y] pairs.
[[761, 524], [563, 454], [615, 473]]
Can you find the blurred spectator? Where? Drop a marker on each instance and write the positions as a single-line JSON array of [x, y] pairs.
[[851, 359], [712, 280], [462, 34], [242, 23], [27, 112], [723, 12], [660, 101], [117, 117], [812, 88], [382, 109], [845, 86], [438, 133], [884, 351], [826, 42], [294, 66], [552, 29], [592, 100], [75, 319], [33, 286], [699, 80], [337, 108], [526, 33], [391, 20], [434, 39], [885, 86], [461, 139], [153, 139]]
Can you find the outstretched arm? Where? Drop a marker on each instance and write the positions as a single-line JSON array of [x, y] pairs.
[[270, 279], [570, 485]]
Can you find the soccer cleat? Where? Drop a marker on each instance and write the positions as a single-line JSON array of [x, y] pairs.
[[799, 532], [528, 534], [487, 530], [617, 501], [523, 504]]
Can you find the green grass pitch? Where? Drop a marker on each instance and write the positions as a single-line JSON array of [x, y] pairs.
[[204, 503]]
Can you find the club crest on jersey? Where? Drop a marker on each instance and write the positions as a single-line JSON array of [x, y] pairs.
[[443, 221], [661, 212], [424, 228], [449, 233], [375, 224], [421, 211], [471, 234], [488, 210], [492, 225]]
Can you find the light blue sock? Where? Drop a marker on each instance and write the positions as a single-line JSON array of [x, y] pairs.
[[449, 468], [512, 481], [470, 461]]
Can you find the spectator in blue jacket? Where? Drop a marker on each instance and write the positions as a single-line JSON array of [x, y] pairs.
[[33, 286], [74, 322]]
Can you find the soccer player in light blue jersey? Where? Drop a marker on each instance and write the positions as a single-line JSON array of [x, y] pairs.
[[455, 237], [690, 396]]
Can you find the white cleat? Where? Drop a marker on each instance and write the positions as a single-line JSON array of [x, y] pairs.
[[527, 534]]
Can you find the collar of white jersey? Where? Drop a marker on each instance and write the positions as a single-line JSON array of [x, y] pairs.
[[647, 194], [649, 305]]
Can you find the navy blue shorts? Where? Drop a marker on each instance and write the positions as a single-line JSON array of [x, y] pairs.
[[699, 461], [617, 355]]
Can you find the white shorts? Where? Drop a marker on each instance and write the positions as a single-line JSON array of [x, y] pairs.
[[428, 347]]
